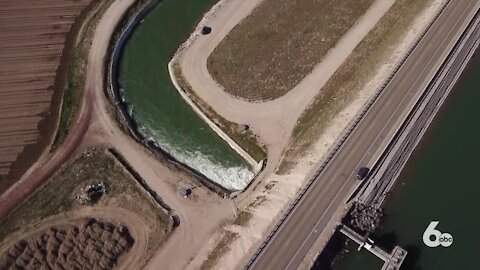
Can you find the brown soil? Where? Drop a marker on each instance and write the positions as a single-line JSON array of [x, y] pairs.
[[56, 202], [144, 222], [33, 52], [87, 244], [220, 249], [274, 48]]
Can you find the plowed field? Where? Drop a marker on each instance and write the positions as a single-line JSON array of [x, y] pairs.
[[33, 54]]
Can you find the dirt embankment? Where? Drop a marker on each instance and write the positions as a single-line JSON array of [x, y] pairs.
[[34, 52]]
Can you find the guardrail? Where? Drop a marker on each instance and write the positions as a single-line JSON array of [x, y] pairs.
[[418, 120], [339, 144]]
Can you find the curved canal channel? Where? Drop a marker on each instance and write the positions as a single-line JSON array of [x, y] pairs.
[[157, 106]]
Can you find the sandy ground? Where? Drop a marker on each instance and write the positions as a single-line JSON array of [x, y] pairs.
[[33, 38], [270, 120], [286, 186]]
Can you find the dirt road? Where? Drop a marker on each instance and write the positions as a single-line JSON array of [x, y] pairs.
[[93, 126], [270, 120]]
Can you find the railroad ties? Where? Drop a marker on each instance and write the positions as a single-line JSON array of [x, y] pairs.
[[393, 260]]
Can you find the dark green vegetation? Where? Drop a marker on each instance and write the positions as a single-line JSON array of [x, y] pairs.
[[276, 46], [57, 196], [439, 183], [352, 75], [75, 78]]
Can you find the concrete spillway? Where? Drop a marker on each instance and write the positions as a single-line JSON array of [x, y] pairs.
[[156, 113]]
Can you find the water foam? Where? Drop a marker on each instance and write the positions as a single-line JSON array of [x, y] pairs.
[[230, 177]]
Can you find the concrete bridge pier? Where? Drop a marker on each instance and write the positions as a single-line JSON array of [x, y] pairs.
[[392, 260]]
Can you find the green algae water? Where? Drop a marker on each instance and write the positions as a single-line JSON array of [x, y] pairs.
[[441, 182], [159, 109]]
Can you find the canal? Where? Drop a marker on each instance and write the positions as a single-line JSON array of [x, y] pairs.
[[441, 182], [156, 105]]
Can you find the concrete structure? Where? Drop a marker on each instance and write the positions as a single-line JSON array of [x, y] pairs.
[[392, 260], [388, 167]]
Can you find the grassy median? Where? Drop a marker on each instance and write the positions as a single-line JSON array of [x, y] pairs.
[[352, 76], [275, 47]]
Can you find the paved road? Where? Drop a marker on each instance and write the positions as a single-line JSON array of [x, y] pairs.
[[269, 119], [399, 150], [292, 241]]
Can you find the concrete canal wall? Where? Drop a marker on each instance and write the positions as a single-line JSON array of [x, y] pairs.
[[125, 115]]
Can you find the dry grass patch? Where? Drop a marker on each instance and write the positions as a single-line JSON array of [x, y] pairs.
[[220, 249], [228, 237], [270, 185], [57, 200], [351, 77], [246, 214], [274, 48], [243, 218]]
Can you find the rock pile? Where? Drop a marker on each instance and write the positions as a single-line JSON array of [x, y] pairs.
[[91, 193], [365, 218]]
